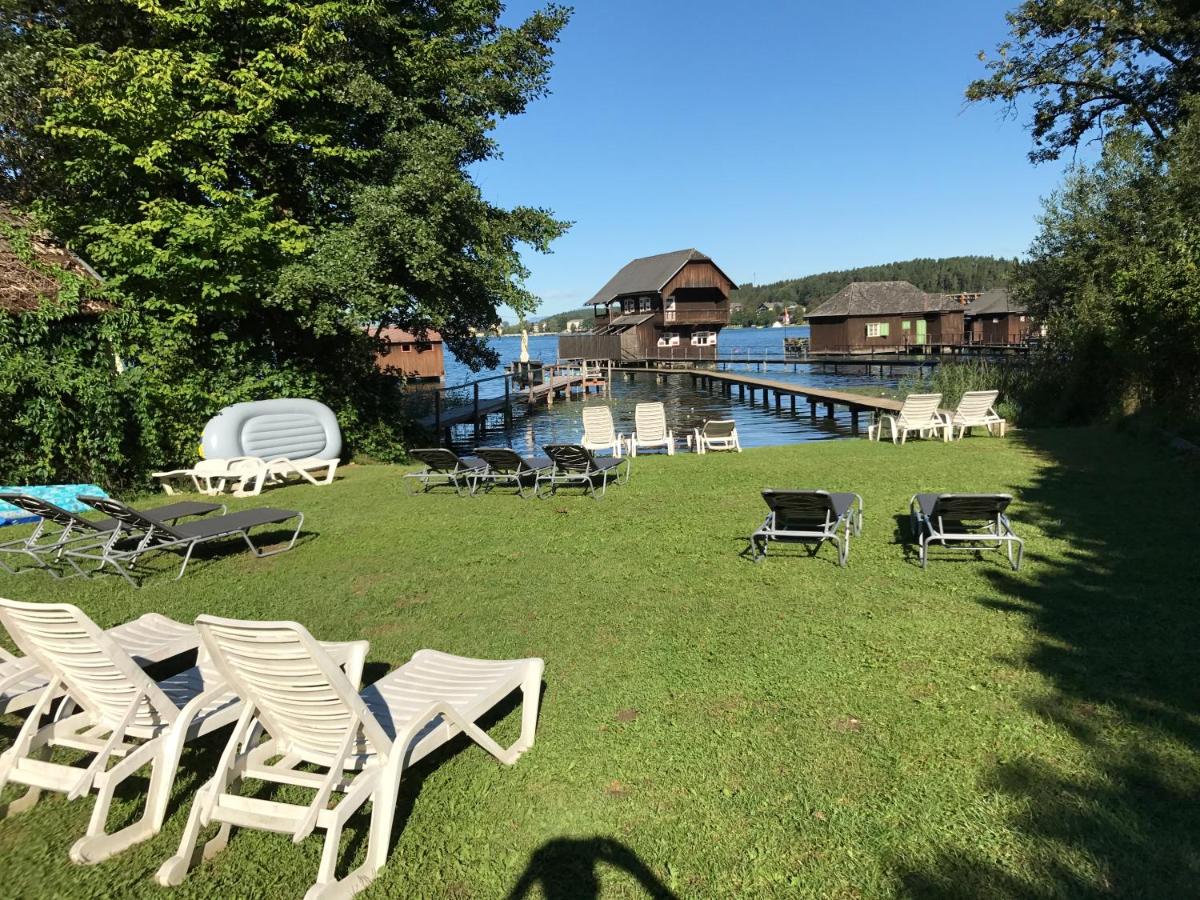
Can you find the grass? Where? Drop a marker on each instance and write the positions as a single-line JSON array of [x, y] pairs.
[[711, 727]]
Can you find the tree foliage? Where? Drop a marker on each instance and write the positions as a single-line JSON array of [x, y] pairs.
[[261, 180], [1092, 65]]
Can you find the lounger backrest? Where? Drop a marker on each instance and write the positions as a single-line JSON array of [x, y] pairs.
[[719, 428], [97, 673], [128, 516], [500, 459], [598, 425], [975, 404], [571, 457], [967, 507], [439, 459], [39, 507], [799, 507], [919, 408], [302, 697], [650, 421]]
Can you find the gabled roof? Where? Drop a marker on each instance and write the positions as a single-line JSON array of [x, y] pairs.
[[23, 286], [649, 274], [876, 298], [993, 302], [400, 336]]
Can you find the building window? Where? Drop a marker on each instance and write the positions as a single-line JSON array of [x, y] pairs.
[[644, 305], [877, 329], [668, 339], [704, 339], [906, 325], [995, 321], [1022, 319]]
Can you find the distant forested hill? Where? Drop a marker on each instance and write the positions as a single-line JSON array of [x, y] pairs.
[[951, 275]]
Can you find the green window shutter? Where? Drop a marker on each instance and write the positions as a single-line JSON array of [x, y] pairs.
[[883, 329]]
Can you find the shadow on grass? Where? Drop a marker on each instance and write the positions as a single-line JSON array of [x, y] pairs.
[[1116, 622], [569, 869]]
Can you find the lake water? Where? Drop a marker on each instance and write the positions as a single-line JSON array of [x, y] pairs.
[[686, 406]]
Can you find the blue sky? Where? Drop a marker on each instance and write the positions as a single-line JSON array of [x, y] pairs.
[[781, 138]]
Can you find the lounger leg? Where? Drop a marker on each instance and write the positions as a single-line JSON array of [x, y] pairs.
[[96, 845], [531, 696], [172, 872]]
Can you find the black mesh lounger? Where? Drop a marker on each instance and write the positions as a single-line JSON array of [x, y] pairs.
[[160, 535], [576, 466], [507, 468], [58, 529], [972, 522], [444, 468], [808, 517]]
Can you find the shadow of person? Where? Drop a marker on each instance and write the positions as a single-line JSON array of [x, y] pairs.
[[568, 869]]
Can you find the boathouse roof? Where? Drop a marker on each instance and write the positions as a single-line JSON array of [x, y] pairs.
[[994, 302], [27, 279], [650, 274], [877, 298]]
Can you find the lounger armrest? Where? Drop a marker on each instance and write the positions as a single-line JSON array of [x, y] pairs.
[[350, 655], [174, 473]]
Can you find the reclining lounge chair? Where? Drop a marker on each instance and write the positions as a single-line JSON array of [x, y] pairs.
[[599, 432], [650, 424], [207, 476], [976, 408], [507, 468], [45, 545], [302, 710], [919, 413], [576, 466], [160, 535], [810, 517], [114, 712], [444, 468], [148, 639], [972, 522], [717, 434]]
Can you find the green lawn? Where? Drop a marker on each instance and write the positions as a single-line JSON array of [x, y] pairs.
[[711, 727]]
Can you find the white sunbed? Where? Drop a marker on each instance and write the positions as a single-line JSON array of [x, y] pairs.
[[113, 712], [717, 434], [598, 431], [302, 710], [976, 408], [650, 429], [207, 476], [919, 413]]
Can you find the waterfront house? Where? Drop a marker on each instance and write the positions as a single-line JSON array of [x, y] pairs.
[[573, 326], [996, 318], [416, 357], [885, 317], [668, 306]]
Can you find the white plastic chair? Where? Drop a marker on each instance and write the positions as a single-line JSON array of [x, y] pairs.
[[301, 709], [717, 434], [124, 717], [650, 429], [919, 413], [148, 639], [976, 408], [599, 432]]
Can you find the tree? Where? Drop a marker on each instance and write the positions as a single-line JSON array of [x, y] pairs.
[[1091, 65], [261, 180]]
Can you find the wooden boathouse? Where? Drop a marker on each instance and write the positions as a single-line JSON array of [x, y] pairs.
[[416, 357], [668, 306], [885, 317], [996, 319]]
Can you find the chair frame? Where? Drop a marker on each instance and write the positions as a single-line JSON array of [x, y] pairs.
[[457, 476], [995, 531], [367, 764], [583, 473], [159, 537], [704, 443], [850, 522], [524, 477]]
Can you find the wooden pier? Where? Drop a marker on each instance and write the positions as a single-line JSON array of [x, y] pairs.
[[560, 381]]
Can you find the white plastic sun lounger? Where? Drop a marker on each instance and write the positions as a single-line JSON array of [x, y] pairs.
[[650, 429], [976, 408], [282, 468], [717, 434], [113, 712], [148, 639], [302, 710], [207, 476], [599, 432], [919, 413]]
